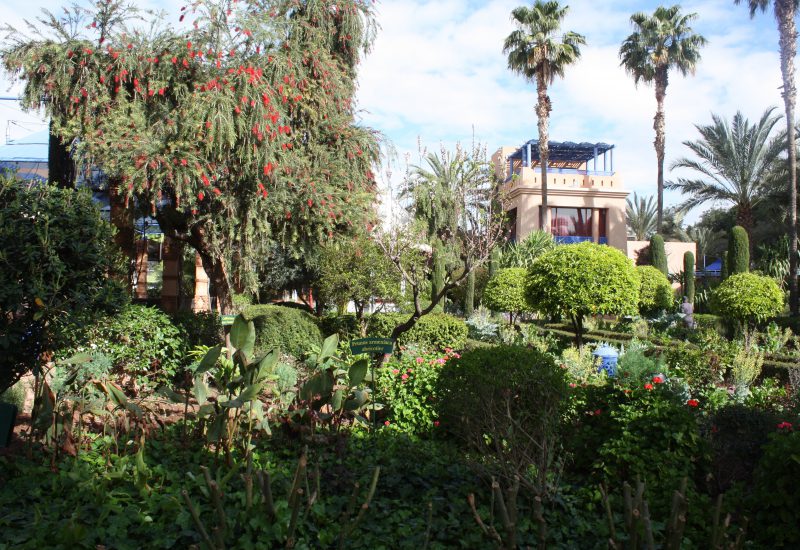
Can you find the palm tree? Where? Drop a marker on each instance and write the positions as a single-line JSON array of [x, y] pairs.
[[734, 163], [539, 54], [642, 215], [785, 12], [659, 43]]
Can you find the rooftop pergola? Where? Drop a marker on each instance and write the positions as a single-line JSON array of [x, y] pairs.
[[565, 154]]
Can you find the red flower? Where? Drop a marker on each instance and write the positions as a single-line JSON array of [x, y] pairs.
[[436, 423], [598, 412], [693, 403], [785, 426], [395, 371], [217, 192], [404, 377], [201, 195], [658, 379], [386, 423], [648, 386]]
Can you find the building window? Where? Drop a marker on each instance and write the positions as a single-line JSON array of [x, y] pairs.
[[602, 224], [571, 222]]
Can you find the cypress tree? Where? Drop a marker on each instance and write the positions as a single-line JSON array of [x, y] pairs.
[[658, 256], [437, 277], [494, 265], [469, 297], [688, 276], [738, 251]]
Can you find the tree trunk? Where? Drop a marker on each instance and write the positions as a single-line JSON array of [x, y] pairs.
[[785, 13], [659, 143], [577, 324], [122, 219], [543, 108], [220, 283], [60, 167]]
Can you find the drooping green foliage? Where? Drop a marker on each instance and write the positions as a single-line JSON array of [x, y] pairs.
[[738, 251], [524, 253], [733, 163], [237, 131], [748, 298], [581, 280], [688, 275], [655, 292], [505, 291], [55, 261], [658, 255], [642, 217]]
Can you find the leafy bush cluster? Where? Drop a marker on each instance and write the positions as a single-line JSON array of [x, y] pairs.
[[436, 331], [505, 291], [655, 292], [748, 298]]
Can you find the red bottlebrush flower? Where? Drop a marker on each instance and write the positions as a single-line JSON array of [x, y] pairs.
[[186, 63], [174, 60], [205, 180], [188, 45], [288, 215], [130, 46], [115, 55], [217, 192], [87, 51], [237, 110], [201, 195], [648, 386], [693, 403], [94, 24], [310, 202], [184, 162], [102, 79], [161, 91], [268, 169]]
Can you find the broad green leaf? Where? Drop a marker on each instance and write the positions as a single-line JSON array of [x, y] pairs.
[[319, 384], [329, 346], [358, 371], [205, 410], [336, 401], [267, 364], [209, 360], [243, 335], [200, 390], [77, 359], [170, 394], [357, 401]]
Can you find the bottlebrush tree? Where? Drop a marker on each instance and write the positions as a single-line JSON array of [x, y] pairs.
[[235, 132]]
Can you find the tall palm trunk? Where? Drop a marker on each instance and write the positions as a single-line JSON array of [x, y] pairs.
[[785, 14], [659, 143], [543, 109]]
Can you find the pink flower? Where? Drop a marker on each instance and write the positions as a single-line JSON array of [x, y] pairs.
[[693, 402], [648, 386], [395, 371], [436, 423], [598, 412], [785, 426], [448, 350], [386, 423], [572, 385], [404, 377], [457, 355], [420, 360], [441, 360]]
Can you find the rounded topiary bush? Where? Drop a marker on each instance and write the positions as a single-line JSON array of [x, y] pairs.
[[579, 280], [435, 331], [748, 298], [505, 291], [505, 401], [291, 330], [655, 292]]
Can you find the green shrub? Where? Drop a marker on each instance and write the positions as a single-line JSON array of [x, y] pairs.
[[505, 291], [291, 330], [505, 402], [655, 292], [408, 387], [458, 295], [15, 395], [698, 366], [748, 298], [581, 365], [57, 258], [708, 321], [658, 255], [200, 329], [141, 342], [738, 251], [776, 498], [582, 280], [346, 326], [635, 367], [435, 331]]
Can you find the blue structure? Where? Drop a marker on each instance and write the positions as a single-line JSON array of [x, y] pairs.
[[608, 359], [565, 157]]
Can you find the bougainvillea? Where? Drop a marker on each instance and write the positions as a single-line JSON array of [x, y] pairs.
[[236, 131]]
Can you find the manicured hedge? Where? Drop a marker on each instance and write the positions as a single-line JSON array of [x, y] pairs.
[[435, 331], [291, 330]]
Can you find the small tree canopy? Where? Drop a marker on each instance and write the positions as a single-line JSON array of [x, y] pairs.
[[655, 292], [583, 279], [506, 291], [748, 298]]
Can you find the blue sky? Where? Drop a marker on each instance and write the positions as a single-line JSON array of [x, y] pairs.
[[437, 73]]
